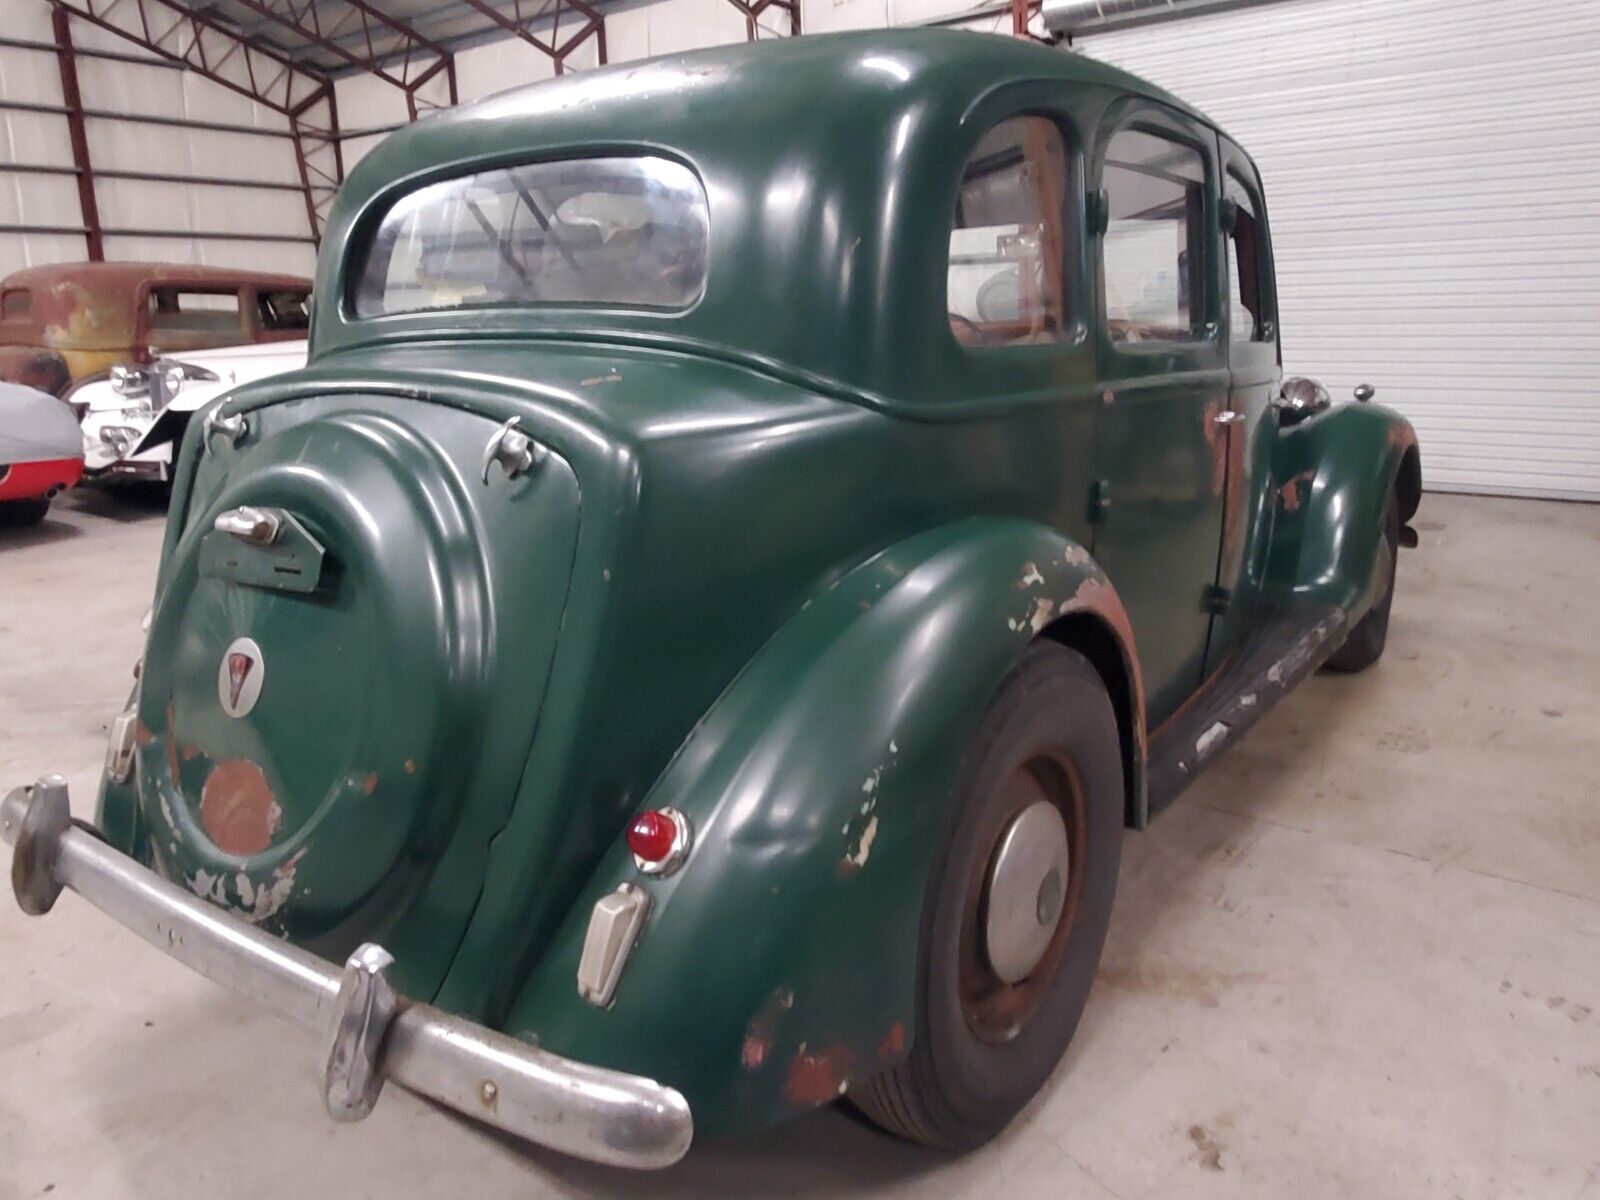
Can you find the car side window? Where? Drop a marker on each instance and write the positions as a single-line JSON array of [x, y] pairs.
[[284, 311], [1007, 242], [1153, 250], [15, 304], [1245, 314], [192, 311]]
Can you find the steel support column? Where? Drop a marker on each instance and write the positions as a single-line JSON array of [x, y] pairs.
[[1022, 13], [318, 156], [72, 101]]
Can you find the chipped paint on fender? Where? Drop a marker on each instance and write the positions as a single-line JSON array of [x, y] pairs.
[[1290, 493], [818, 1078], [862, 829], [894, 1042], [762, 1031]]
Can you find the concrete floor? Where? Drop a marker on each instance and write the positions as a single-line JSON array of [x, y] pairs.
[[1361, 958]]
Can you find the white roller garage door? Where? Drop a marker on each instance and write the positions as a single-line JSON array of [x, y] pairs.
[[1433, 180]]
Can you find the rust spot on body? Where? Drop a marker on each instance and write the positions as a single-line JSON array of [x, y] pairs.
[[237, 808], [894, 1042], [1289, 495], [762, 1030], [818, 1078]]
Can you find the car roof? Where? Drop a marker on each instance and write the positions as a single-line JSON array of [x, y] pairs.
[[628, 94], [830, 162], [124, 276]]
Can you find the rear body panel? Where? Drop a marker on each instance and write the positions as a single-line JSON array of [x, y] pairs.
[[400, 692]]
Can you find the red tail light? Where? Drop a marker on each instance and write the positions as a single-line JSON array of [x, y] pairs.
[[659, 839]]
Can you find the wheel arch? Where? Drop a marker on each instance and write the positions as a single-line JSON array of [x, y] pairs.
[[1408, 483], [1091, 636], [819, 786]]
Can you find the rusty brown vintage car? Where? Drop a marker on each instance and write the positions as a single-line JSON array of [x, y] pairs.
[[67, 322]]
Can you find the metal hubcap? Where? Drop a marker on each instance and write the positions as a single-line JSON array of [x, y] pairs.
[[1027, 887], [1022, 896]]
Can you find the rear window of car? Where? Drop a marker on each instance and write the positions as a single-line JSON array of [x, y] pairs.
[[620, 232]]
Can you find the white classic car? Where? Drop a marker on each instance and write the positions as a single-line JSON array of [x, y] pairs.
[[134, 420]]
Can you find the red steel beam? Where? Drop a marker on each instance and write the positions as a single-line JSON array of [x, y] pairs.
[[418, 58], [753, 9], [558, 49], [1023, 12], [221, 54], [72, 100], [205, 46]]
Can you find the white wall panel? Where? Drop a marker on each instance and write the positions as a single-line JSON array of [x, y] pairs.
[[1434, 192], [114, 86]]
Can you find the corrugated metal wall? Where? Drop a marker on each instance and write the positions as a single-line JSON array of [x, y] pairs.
[[41, 138], [634, 32], [1433, 180], [1431, 170]]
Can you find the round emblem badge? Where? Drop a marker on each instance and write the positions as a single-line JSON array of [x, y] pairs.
[[240, 676]]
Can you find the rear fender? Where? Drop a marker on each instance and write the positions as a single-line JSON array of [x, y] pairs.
[[779, 965], [1335, 473]]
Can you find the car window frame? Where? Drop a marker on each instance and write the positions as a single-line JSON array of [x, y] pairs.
[[1235, 162], [362, 239], [1074, 326], [1156, 119], [143, 325]]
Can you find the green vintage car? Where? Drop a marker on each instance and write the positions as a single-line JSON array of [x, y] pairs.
[[754, 528]]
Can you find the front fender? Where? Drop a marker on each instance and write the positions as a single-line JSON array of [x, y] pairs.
[[1336, 472], [780, 963], [32, 366]]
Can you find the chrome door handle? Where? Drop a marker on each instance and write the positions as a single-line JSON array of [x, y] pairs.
[[1228, 417], [259, 526]]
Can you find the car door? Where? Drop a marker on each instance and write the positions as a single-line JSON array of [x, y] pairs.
[[1161, 443], [1250, 327]]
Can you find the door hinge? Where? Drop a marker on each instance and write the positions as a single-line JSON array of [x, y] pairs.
[[1099, 499], [1214, 599]]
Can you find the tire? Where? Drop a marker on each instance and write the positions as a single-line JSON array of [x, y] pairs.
[[17, 513], [1365, 643], [981, 1047]]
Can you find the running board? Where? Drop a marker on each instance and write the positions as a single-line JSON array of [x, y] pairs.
[[1288, 645]]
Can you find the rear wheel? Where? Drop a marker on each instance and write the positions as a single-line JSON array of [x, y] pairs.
[[1365, 644], [1017, 908], [16, 513]]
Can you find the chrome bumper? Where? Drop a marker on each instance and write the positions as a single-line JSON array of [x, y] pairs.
[[370, 1033]]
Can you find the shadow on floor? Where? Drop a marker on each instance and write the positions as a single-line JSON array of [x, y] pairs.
[[16, 536]]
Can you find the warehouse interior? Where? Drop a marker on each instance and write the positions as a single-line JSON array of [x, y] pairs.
[[1359, 956]]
